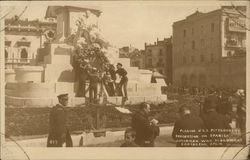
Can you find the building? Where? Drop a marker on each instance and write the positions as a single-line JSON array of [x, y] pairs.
[[209, 49], [137, 59], [158, 56], [24, 38], [135, 55]]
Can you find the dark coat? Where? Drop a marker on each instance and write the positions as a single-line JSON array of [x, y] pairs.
[[129, 145], [144, 131], [58, 132], [214, 120], [187, 122]]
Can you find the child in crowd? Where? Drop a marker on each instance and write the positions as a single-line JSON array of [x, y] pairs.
[[129, 138]]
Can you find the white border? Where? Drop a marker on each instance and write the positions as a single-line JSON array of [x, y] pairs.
[[132, 153]]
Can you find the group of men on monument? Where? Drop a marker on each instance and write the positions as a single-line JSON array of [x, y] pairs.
[[108, 78]]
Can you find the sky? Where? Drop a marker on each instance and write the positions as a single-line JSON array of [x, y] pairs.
[[126, 23]]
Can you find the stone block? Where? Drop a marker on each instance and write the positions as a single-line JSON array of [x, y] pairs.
[[77, 101], [65, 87], [38, 102], [10, 75], [29, 74], [15, 101], [30, 90]]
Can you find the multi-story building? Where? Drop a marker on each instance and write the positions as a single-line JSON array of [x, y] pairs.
[[24, 38], [135, 55], [158, 56], [209, 49], [137, 59]]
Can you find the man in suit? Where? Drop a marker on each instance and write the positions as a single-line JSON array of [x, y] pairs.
[[58, 132], [212, 119], [187, 122], [145, 130]]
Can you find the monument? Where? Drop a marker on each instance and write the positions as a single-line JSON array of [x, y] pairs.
[[38, 85]]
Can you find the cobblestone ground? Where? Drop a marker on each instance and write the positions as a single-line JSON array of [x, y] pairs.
[[161, 141]]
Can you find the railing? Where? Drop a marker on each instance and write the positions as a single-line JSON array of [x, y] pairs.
[[13, 62]]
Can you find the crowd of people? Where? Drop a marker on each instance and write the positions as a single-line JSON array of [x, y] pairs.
[[223, 109], [220, 111], [114, 80]]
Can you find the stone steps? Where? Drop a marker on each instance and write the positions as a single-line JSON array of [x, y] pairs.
[[11, 101]]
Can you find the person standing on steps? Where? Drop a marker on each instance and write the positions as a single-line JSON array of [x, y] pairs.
[[124, 80]]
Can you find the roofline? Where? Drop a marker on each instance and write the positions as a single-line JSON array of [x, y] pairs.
[[199, 16]]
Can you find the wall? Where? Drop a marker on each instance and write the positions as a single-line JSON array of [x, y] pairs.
[[202, 59]]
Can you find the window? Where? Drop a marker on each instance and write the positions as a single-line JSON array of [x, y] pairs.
[[184, 33], [150, 52], [24, 55], [160, 71], [202, 43], [212, 57], [150, 62], [202, 58], [6, 54], [212, 27], [193, 58], [160, 52], [193, 44], [202, 29], [192, 31], [184, 45], [184, 60]]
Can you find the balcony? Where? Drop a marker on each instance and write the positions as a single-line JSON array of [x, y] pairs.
[[232, 43], [13, 62]]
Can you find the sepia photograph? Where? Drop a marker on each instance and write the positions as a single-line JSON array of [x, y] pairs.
[[81, 74]]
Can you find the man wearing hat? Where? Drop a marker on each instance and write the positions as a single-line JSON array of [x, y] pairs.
[[187, 122], [124, 79], [59, 135]]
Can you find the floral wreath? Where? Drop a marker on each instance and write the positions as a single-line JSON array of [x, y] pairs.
[[90, 47]]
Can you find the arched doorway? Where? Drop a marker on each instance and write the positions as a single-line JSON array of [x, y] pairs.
[[193, 80], [202, 80], [6, 55], [24, 55], [184, 80]]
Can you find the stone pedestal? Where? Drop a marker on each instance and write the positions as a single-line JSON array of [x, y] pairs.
[[58, 66], [10, 75], [29, 74]]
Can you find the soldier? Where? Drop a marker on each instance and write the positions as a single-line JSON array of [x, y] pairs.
[[58, 132]]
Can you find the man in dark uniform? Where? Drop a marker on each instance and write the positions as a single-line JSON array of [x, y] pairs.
[[145, 130], [212, 119], [187, 122], [58, 132], [124, 80]]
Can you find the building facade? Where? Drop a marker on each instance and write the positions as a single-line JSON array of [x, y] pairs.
[[24, 38], [208, 48], [158, 56]]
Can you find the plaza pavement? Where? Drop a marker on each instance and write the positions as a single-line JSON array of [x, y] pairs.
[[112, 139]]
